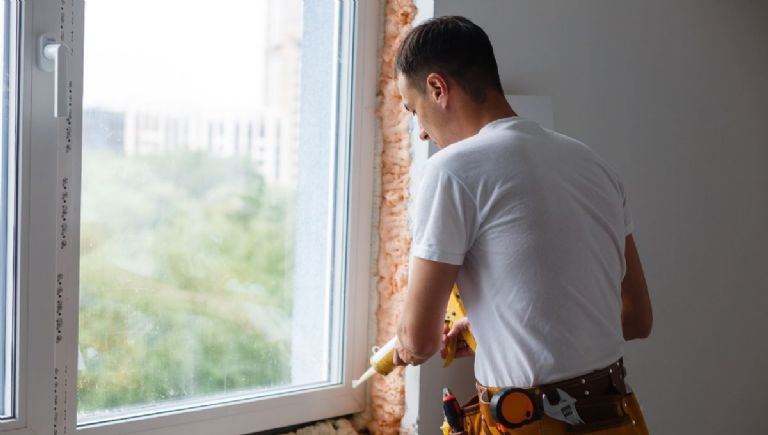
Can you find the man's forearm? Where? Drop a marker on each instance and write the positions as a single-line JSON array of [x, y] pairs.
[[636, 312], [419, 339], [421, 325], [636, 323], [633, 331]]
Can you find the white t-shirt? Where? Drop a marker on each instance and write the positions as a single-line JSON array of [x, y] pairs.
[[538, 224]]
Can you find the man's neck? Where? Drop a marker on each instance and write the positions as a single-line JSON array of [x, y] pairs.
[[475, 116]]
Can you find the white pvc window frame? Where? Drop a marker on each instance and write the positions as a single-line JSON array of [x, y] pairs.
[[9, 338], [48, 177], [44, 164]]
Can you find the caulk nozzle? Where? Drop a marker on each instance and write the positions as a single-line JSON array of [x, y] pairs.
[[367, 375]]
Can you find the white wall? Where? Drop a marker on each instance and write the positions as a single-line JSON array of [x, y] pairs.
[[674, 94]]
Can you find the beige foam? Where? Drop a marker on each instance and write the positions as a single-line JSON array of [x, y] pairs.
[[388, 393]]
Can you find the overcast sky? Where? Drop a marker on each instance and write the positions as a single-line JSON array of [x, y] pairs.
[[175, 54]]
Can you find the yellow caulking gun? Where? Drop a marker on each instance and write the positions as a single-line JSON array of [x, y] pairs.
[[381, 361], [453, 313]]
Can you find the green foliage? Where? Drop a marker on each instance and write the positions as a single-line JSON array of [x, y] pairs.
[[185, 279]]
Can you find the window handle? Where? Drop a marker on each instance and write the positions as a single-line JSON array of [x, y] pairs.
[[53, 58]]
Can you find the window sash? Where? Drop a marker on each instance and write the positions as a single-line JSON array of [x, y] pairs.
[[48, 367]]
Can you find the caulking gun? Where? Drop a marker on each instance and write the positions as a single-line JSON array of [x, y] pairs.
[[381, 361]]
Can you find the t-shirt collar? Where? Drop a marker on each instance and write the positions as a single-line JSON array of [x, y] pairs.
[[493, 125]]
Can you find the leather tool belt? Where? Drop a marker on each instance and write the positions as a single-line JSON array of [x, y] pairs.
[[585, 403]]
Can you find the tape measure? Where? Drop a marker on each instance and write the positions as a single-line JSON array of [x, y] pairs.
[[513, 408]]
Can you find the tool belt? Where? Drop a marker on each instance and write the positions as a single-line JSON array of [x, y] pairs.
[[585, 403]]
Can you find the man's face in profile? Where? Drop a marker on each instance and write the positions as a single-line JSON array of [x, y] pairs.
[[420, 105]]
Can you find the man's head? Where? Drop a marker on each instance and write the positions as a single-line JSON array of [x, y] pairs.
[[445, 58], [454, 47]]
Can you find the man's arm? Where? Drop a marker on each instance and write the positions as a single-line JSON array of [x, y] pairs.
[[421, 325], [636, 314]]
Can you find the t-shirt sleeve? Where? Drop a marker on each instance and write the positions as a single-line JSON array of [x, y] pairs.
[[443, 219]]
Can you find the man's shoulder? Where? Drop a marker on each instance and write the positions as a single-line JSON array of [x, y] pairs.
[[462, 153], [445, 159]]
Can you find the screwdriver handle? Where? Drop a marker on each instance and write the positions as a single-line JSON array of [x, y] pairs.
[[452, 411]]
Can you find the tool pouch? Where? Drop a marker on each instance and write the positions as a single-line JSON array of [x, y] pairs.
[[598, 414], [473, 421], [600, 399]]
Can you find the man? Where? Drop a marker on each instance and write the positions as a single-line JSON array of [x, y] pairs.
[[531, 225]]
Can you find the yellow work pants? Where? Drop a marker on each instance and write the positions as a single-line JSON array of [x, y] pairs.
[[474, 424]]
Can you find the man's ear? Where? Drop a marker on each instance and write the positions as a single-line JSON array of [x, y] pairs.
[[437, 88]]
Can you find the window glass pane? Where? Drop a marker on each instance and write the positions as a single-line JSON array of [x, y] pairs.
[[7, 207], [201, 230]]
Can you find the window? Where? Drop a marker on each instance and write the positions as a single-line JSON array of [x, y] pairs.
[[170, 277], [8, 295]]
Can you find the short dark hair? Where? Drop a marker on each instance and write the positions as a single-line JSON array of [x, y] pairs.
[[452, 46]]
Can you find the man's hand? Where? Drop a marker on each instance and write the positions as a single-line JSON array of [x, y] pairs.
[[462, 348]]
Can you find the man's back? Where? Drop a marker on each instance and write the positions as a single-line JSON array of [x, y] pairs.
[[538, 224]]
